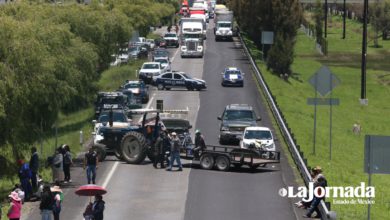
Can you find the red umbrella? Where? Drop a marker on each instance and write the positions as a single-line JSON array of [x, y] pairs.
[[90, 190]]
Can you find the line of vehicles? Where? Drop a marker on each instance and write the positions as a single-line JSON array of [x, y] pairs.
[[124, 128]]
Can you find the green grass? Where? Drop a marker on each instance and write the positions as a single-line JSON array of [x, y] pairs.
[[69, 127], [346, 166]]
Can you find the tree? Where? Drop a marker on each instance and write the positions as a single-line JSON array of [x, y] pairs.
[[380, 19]]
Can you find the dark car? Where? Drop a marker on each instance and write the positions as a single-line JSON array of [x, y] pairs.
[[235, 118], [138, 89], [138, 52], [160, 53], [133, 102], [178, 80], [160, 42], [232, 76], [110, 100]]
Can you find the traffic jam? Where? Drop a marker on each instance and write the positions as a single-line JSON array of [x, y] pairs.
[[127, 126]]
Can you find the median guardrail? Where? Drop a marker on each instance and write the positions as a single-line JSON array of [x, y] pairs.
[[296, 154]]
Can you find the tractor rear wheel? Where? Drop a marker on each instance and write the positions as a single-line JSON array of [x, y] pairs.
[[133, 146]]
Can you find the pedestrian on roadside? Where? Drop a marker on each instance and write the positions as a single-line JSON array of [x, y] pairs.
[[169, 28], [58, 198], [319, 181], [88, 213], [91, 164], [67, 163], [57, 166], [200, 144], [46, 205], [158, 151], [24, 177], [15, 209], [175, 152], [19, 191], [34, 166], [98, 208]]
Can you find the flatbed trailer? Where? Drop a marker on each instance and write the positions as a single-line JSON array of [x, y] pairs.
[[222, 157]]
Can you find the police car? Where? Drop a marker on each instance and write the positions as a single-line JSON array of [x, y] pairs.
[[174, 79], [232, 76], [138, 88]]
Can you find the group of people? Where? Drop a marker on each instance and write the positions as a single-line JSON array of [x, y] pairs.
[[172, 144], [319, 180], [61, 163]]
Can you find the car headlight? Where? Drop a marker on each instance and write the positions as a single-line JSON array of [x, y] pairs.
[[224, 128], [184, 48], [200, 48], [230, 32], [270, 146]]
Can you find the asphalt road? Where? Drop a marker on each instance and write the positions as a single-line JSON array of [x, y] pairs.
[[142, 192]]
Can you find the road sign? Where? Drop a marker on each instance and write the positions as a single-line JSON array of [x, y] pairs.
[[324, 81], [377, 154], [267, 37], [322, 101]]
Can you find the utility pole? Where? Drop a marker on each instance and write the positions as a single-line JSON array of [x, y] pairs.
[[326, 18], [364, 54], [344, 17]]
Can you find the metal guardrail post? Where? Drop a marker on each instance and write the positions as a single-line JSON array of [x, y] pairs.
[[299, 161]]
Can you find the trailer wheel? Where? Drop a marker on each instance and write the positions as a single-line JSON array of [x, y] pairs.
[[254, 166], [207, 162], [222, 163], [133, 146]]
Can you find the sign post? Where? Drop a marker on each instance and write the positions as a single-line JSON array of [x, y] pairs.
[[267, 37]]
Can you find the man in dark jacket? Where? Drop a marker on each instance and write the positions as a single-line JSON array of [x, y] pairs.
[[47, 201], [159, 151], [98, 208], [200, 145], [34, 166]]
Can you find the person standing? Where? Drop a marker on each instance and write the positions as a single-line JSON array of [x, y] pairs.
[[319, 181], [15, 209], [34, 166], [46, 205], [57, 166], [67, 163], [91, 163], [98, 208], [175, 152], [24, 177], [58, 198], [159, 151], [200, 144]]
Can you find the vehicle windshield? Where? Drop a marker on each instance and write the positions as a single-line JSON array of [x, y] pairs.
[[170, 35], [186, 76], [161, 53], [260, 135], [232, 73], [112, 100], [117, 117], [224, 25], [175, 124], [133, 49], [131, 86], [246, 115], [162, 61], [150, 66]]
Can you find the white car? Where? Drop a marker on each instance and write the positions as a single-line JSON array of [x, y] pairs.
[[165, 63], [149, 70], [258, 137]]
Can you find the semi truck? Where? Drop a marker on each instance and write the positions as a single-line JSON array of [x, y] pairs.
[[192, 28], [192, 37], [223, 25]]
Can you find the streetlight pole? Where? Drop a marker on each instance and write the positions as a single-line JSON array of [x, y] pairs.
[[326, 18], [364, 54], [344, 17]]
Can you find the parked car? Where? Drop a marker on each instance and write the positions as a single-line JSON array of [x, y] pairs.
[[149, 70], [110, 100], [123, 57], [165, 63], [151, 43], [234, 119], [160, 42], [138, 89], [137, 52], [232, 76], [178, 80], [171, 39], [260, 138], [160, 53]]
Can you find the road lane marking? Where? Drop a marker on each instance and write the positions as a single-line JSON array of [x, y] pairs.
[[109, 176], [174, 55]]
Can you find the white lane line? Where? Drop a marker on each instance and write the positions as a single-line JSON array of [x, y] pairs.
[[109, 176], [115, 166], [174, 55]]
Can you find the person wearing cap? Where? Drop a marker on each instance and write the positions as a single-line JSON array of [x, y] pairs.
[[47, 201], [58, 197], [175, 152], [200, 145], [15, 209], [319, 181]]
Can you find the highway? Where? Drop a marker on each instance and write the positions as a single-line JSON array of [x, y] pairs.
[[140, 192]]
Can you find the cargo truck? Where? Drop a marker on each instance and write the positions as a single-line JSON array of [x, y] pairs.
[[223, 25]]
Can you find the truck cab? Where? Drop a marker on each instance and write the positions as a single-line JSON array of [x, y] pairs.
[[192, 47]]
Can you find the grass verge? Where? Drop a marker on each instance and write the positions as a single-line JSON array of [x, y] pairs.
[[346, 166]]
